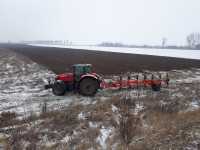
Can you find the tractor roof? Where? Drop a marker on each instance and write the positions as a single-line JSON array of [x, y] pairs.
[[81, 65]]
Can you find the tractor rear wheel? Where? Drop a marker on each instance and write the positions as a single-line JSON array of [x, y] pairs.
[[88, 87], [59, 89]]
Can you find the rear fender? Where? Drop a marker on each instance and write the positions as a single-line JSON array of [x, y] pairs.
[[90, 76]]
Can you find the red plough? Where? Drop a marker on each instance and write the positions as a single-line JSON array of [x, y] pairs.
[[135, 83]]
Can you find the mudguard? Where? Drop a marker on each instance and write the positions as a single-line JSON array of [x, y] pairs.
[[89, 75], [94, 76]]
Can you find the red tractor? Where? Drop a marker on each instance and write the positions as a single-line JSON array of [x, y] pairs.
[[82, 80], [87, 83]]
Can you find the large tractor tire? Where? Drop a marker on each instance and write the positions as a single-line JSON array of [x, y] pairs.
[[88, 86], [156, 87], [59, 88]]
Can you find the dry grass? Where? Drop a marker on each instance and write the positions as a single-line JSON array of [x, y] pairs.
[[169, 130], [150, 129], [8, 119]]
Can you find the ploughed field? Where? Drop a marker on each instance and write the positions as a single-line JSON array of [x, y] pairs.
[[60, 59]]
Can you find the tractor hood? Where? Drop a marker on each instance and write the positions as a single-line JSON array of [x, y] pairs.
[[65, 77]]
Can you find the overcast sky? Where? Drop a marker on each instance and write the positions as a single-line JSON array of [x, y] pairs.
[[127, 21]]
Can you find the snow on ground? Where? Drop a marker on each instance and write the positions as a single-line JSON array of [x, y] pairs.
[[188, 54], [194, 105], [22, 86], [105, 132], [21, 83]]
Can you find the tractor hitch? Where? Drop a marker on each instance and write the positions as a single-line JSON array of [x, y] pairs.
[[49, 85]]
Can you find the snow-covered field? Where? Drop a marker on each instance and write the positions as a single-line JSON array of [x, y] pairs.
[[188, 54]]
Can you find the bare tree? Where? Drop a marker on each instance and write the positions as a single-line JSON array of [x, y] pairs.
[[164, 41], [193, 40]]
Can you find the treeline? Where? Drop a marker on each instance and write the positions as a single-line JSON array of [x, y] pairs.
[[48, 42], [110, 44], [192, 40]]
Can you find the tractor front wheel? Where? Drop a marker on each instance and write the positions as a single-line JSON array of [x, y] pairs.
[[156, 87], [88, 87], [59, 89]]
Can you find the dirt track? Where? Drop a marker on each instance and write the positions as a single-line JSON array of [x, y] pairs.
[[58, 59]]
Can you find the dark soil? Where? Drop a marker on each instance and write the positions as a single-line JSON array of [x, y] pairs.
[[59, 59]]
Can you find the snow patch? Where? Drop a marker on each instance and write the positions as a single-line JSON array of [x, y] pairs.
[[66, 139], [93, 125], [194, 105], [138, 108], [114, 108], [105, 133], [81, 116]]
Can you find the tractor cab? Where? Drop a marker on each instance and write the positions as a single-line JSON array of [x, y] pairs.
[[81, 69]]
